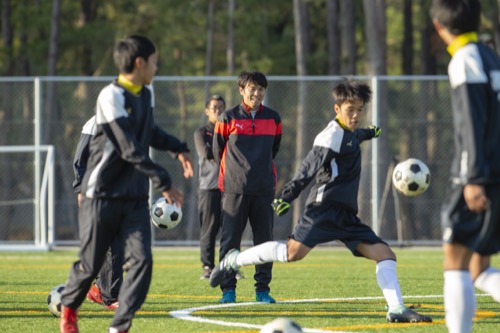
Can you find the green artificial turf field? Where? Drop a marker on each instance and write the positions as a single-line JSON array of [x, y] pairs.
[[330, 290]]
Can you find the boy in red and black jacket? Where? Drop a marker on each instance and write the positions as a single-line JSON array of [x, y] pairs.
[[246, 141]]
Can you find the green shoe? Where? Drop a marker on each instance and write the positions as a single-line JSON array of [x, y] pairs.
[[264, 297], [228, 296], [404, 314]]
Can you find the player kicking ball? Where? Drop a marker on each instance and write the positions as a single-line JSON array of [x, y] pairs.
[[331, 208]]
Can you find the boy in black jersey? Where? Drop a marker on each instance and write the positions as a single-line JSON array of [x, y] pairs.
[[331, 208], [115, 186], [470, 217]]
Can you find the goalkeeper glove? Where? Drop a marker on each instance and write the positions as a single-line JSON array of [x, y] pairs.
[[280, 206], [376, 130]]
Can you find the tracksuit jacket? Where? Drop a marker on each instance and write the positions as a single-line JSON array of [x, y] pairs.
[[335, 160], [119, 164], [474, 73], [245, 147]]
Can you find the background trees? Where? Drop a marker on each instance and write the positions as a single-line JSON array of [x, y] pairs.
[[220, 37]]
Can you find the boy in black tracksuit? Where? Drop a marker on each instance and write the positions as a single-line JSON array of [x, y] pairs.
[[246, 140], [115, 186], [107, 285], [209, 196]]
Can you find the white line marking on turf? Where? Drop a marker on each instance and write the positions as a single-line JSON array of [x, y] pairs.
[[185, 314]]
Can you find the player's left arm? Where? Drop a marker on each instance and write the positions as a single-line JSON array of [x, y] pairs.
[[277, 136], [373, 131]]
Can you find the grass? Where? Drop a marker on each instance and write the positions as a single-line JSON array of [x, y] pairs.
[[329, 290]]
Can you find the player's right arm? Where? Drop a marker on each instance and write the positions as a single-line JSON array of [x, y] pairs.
[[316, 159]]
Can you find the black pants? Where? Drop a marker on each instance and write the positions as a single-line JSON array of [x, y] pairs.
[[237, 209], [110, 277], [100, 222], [209, 212]]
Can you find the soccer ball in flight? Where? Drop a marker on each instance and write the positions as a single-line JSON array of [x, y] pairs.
[[411, 177], [165, 215]]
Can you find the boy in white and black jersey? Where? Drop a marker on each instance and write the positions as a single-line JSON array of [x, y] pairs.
[[115, 187], [471, 215], [331, 208]]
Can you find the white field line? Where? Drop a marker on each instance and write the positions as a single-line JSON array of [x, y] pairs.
[[185, 314]]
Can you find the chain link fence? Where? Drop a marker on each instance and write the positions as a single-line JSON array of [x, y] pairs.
[[413, 112]]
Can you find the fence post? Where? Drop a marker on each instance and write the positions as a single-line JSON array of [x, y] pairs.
[[374, 158]]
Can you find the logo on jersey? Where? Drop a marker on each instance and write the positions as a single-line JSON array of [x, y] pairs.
[[240, 126]]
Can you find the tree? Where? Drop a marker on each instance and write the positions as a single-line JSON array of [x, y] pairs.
[[333, 36]]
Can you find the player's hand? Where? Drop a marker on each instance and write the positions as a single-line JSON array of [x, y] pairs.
[[376, 130], [280, 206], [173, 195], [475, 198], [186, 164]]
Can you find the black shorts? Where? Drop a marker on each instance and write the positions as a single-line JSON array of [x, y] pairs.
[[326, 222], [479, 232]]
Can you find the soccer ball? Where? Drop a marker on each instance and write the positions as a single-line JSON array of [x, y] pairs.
[[54, 300], [165, 215], [411, 177], [281, 325]]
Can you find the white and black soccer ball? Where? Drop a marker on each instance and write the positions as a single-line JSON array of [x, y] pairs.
[[165, 215], [54, 300], [411, 177], [281, 325]]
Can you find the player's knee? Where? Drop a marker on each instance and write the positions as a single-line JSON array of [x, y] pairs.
[[294, 255]]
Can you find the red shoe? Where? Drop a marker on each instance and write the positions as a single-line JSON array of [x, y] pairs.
[[68, 320], [94, 295], [112, 306]]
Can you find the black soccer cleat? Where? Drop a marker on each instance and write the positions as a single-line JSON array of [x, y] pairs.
[[404, 314], [226, 266]]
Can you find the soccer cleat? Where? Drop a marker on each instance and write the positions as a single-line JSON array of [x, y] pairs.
[[94, 295], [114, 330], [264, 297], [206, 273], [404, 314], [112, 306], [228, 296], [69, 318], [227, 265]]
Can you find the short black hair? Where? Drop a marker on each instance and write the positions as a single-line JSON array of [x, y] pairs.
[[214, 98], [458, 16], [350, 90], [131, 48], [255, 77]]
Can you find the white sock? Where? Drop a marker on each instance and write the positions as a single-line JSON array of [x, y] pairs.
[[262, 253], [388, 282], [459, 301], [489, 282]]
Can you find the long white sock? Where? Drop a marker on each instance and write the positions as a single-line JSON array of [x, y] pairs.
[[388, 282], [459, 301], [262, 253], [489, 282]]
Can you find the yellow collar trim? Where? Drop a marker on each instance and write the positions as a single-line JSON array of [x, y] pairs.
[[342, 124], [462, 40], [129, 85]]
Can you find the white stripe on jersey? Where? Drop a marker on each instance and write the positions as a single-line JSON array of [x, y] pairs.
[[91, 184], [110, 104], [330, 137], [90, 126], [466, 66]]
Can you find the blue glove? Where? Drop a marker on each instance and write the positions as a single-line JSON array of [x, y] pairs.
[[280, 206], [377, 130]]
